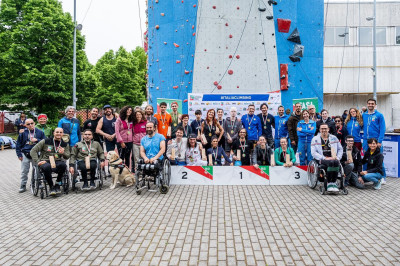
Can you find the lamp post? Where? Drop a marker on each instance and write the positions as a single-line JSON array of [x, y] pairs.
[[74, 63], [374, 49]]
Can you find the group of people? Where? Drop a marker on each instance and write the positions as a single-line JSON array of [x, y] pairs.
[[216, 140]]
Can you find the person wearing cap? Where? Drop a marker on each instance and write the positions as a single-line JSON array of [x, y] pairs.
[[194, 152], [42, 125], [106, 128], [70, 126]]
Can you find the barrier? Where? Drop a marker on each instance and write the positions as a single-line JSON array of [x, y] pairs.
[[238, 175]]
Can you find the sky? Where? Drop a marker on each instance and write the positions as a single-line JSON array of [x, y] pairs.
[[108, 24]]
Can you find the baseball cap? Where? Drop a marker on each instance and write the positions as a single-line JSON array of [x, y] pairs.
[[106, 106]]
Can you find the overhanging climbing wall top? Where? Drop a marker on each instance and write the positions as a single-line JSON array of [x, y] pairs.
[[238, 46]]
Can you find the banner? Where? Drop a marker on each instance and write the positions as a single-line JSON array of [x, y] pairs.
[[391, 154], [204, 102], [306, 102], [169, 102]]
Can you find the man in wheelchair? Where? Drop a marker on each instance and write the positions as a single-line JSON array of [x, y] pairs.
[[53, 153], [84, 154], [327, 150], [152, 146]]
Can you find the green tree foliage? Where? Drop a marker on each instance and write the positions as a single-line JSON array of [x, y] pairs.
[[36, 50], [122, 78]]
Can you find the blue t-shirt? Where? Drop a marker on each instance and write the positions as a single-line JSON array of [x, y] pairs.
[[152, 145]]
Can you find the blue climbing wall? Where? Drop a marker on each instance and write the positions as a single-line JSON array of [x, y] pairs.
[[172, 56]]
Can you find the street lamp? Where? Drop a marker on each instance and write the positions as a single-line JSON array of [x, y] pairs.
[[76, 27], [373, 18]]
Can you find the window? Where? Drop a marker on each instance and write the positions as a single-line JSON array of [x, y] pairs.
[[337, 36], [365, 36], [397, 35]]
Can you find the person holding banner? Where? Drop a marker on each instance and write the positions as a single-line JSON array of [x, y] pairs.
[[215, 153], [232, 126], [326, 149], [196, 124], [267, 122], [50, 155], [284, 155], [176, 118], [176, 151], [305, 132], [187, 130], [209, 129], [262, 153], [194, 152], [164, 121], [252, 124], [353, 124], [241, 149], [281, 126]]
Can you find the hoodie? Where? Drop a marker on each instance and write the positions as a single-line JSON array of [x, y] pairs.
[[374, 161], [292, 127], [354, 129], [374, 126], [331, 124], [307, 130], [71, 127], [281, 126]]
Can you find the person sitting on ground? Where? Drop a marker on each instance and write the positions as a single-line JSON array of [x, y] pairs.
[[152, 145], [280, 154], [243, 146], [81, 150], [179, 145], [217, 153], [70, 126], [262, 153], [29, 137], [352, 166], [187, 129], [56, 148], [42, 125], [374, 160], [194, 152], [323, 149]]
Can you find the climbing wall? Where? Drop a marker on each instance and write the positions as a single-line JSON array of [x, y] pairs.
[[237, 46]]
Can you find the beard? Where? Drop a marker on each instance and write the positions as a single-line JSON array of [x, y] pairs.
[[149, 132]]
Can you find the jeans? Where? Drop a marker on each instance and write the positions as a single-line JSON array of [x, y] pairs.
[[351, 177], [110, 145], [25, 166], [82, 167], [304, 150], [125, 153], [372, 177], [365, 148], [60, 169]]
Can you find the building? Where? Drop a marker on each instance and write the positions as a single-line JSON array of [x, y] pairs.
[[348, 56]]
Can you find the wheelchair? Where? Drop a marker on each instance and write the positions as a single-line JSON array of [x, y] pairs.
[[40, 185], [317, 176], [159, 170], [77, 177]]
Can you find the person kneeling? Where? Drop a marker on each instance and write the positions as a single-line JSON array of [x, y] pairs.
[[91, 150], [282, 152], [351, 162], [177, 148], [194, 152], [323, 149], [215, 153], [52, 149], [374, 160], [262, 153]]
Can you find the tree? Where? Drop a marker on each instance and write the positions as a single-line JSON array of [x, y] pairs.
[[121, 77], [36, 50]]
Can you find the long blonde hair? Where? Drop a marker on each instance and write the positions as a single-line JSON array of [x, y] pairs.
[[358, 117]]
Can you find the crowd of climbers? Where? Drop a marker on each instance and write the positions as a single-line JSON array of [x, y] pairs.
[[216, 140]]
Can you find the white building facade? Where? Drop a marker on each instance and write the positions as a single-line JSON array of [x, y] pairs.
[[348, 57]]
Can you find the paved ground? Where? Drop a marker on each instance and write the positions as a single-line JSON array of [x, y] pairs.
[[224, 225]]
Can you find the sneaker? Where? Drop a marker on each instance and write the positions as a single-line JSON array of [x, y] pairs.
[[52, 191], [57, 189], [85, 186], [22, 189], [383, 181], [332, 187], [92, 184], [378, 184]]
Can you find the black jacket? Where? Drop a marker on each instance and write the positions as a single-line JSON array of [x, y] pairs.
[[341, 134], [331, 125], [292, 127], [356, 159], [374, 161], [258, 156]]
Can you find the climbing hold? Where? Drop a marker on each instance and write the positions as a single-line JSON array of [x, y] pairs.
[[157, 27], [230, 71], [162, 14], [237, 8], [165, 43], [226, 24], [272, 2], [262, 9], [187, 20], [230, 36], [215, 83], [284, 25], [208, 67], [269, 17], [214, 7], [176, 45], [284, 77], [187, 43], [295, 36], [185, 101], [194, 5], [237, 87], [205, 50], [298, 50], [237, 56], [230, 56], [160, 70], [175, 87], [219, 87], [157, 88], [294, 58], [157, 60], [178, 61], [156, 1], [192, 26], [187, 72], [194, 33]]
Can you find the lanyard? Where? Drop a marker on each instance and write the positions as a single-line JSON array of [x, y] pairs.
[[242, 146], [185, 130], [210, 127], [90, 145], [163, 120], [250, 119], [215, 154], [263, 152], [55, 147], [175, 118], [32, 136], [265, 120], [198, 124], [233, 125]]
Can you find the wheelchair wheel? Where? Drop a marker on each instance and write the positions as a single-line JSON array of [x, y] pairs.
[[42, 193], [66, 183], [100, 172], [312, 174], [34, 182], [322, 190], [164, 189], [166, 173], [345, 191]]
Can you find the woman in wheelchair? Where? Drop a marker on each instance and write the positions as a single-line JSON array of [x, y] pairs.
[[215, 153], [52, 149], [86, 151], [327, 150], [194, 152], [177, 148], [262, 153], [282, 151]]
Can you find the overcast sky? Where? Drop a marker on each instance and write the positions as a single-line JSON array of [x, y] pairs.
[[108, 24]]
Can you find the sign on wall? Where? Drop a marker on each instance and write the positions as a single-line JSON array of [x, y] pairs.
[[169, 102], [306, 102]]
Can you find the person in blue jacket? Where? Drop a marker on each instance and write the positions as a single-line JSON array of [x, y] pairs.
[[305, 132], [267, 122], [374, 127], [353, 124], [25, 142], [281, 127], [252, 124], [71, 127]]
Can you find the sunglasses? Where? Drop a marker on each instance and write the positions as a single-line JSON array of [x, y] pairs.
[[338, 121], [28, 124]]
